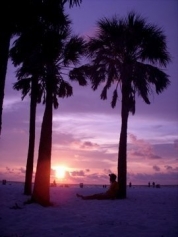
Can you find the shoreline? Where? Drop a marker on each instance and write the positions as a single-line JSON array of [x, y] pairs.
[[60, 184]]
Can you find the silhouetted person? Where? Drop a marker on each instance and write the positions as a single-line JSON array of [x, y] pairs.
[[4, 181], [149, 184], [109, 194], [81, 185], [54, 184], [130, 184], [153, 184]]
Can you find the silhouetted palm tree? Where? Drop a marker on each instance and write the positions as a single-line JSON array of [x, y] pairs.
[[128, 53], [56, 86], [59, 51], [27, 50]]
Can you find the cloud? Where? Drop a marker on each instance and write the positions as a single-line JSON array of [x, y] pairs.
[[141, 148], [22, 170], [176, 144], [64, 140], [97, 178], [167, 151], [170, 178], [9, 170], [137, 153], [170, 168], [12, 104], [89, 145], [79, 176], [156, 168], [78, 173], [107, 171], [152, 156]]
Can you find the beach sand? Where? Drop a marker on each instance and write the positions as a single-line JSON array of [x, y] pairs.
[[147, 212]]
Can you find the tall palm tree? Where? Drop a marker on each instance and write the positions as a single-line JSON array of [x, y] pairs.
[[26, 51], [130, 54], [60, 50]]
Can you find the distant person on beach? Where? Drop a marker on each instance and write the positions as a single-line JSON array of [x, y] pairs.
[[111, 193], [53, 184]]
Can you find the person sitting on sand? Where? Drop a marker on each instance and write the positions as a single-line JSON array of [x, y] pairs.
[[111, 193]]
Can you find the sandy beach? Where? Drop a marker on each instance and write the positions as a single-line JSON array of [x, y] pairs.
[[147, 212]]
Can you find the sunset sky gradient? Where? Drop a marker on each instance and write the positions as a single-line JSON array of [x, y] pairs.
[[86, 129]]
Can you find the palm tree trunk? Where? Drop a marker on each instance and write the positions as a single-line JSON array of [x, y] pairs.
[[4, 54], [41, 189], [122, 154], [31, 145]]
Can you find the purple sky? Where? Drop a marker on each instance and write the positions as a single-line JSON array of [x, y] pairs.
[[86, 129]]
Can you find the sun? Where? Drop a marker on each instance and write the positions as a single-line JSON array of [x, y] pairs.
[[60, 172]]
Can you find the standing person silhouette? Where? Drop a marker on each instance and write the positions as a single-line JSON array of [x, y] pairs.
[[111, 193]]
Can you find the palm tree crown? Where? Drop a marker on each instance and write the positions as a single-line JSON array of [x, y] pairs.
[[128, 51]]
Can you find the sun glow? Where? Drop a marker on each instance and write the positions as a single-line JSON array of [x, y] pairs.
[[60, 172]]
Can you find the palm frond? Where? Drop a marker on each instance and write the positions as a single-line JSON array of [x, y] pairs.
[[65, 89], [73, 50], [145, 75], [72, 2], [24, 85], [141, 84], [97, 75], [39, 94], [153, 47], [55, 102], [114, 99], [158, 78], [132, 104], [103, 95], [80, 75]]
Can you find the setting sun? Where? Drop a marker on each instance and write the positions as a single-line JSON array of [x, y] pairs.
[[60, 171]]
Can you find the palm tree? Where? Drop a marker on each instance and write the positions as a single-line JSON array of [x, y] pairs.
[[60, 51], [26, 51], [56, 86], [130, 54]]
